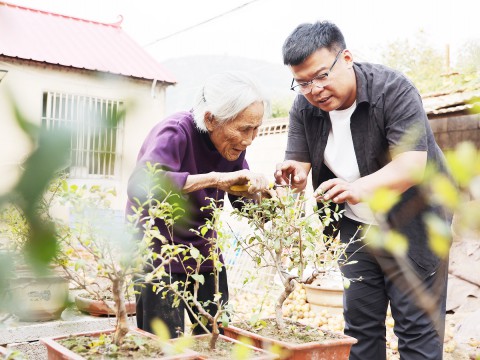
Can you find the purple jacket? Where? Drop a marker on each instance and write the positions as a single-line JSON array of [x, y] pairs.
[[181, 149]]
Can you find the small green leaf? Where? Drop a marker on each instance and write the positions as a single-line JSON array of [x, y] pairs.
[[160, 329], [240, 351], [194, 253], [383, 200], [182, 343], [374, 238], [396, 243], [199, 278], [460, 162], [439, 236], [445, 192]]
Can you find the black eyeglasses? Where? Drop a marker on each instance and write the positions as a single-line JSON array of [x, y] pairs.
[[320, 80]]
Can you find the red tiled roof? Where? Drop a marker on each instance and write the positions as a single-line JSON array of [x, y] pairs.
[[64, 40]]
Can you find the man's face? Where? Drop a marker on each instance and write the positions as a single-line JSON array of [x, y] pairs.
[[234, 136], [340, 88]]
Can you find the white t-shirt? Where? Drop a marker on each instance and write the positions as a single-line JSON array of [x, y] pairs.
[[341, 160]]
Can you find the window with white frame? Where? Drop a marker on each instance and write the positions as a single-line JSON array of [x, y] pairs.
[[96, 132]]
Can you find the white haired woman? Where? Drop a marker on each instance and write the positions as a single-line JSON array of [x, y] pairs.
[[202, 154]]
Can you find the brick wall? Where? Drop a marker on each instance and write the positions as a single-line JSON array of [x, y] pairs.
[[449, 131]]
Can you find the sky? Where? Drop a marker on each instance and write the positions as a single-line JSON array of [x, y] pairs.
[[257, 28]]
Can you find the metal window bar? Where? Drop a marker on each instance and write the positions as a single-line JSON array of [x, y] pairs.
[[97, 132]]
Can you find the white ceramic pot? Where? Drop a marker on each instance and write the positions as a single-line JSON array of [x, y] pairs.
[[39, 298], [323, 294]]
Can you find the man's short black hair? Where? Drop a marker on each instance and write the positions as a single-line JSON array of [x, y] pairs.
[[308, 38]]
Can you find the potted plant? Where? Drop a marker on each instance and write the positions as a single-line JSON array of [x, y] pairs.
[[31, 295], [207, 345], [102, 304], [288, 236], [325, 291], [97, 248]]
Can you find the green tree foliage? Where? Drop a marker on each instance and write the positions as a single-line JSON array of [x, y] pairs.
[[469, 62], [286, 234], [417, 60], [427, 66], [281, 107]]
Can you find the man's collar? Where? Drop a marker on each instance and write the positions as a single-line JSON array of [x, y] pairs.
[[362, 91]]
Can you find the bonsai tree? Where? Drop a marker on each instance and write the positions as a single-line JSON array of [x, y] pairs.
[[288, 236], [98, 246], [207, 321], [149, 209]]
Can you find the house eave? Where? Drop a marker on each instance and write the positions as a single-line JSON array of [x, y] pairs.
[[60, 67]]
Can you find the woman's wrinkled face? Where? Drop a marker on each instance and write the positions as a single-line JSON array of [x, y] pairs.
[[231, 138]]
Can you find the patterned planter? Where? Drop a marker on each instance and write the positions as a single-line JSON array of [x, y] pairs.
[[39, 298]]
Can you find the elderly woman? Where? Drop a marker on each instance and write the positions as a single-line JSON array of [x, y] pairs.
[[201, 154]]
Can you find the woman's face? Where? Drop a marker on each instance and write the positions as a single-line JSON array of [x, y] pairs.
[[231, 138]]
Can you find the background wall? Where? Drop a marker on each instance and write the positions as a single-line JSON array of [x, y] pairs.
[[25, 83]]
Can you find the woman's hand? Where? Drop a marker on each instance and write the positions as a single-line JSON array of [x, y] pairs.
[[243, 183]]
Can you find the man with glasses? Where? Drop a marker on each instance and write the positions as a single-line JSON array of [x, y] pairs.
[[359, 127]]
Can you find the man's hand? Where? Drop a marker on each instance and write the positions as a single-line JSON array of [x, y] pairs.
[[293, 173], [404, 171], [339, 191]]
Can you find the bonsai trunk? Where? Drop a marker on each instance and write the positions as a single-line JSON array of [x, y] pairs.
[[214, 336], [120, 309], [289, 284]]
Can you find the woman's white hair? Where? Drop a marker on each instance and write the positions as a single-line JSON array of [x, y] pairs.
[[225, 96]]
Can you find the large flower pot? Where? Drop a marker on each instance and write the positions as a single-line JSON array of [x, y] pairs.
[[336, 348], [256, 353], [322, 297], [101, 307], [38, 298], [56, 351], [326, 292]]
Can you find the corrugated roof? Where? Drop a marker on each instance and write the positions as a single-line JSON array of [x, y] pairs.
[[455, 101], [434, 104], [68, 41]]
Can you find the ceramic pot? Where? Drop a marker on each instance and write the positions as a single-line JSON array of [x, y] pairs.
[[326, 292], [321, 297], [38, 298], [101, 307]]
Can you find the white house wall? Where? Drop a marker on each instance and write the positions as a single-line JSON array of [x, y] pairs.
[[28, 82]]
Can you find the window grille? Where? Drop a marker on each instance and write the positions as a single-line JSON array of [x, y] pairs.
[[96, 132]]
